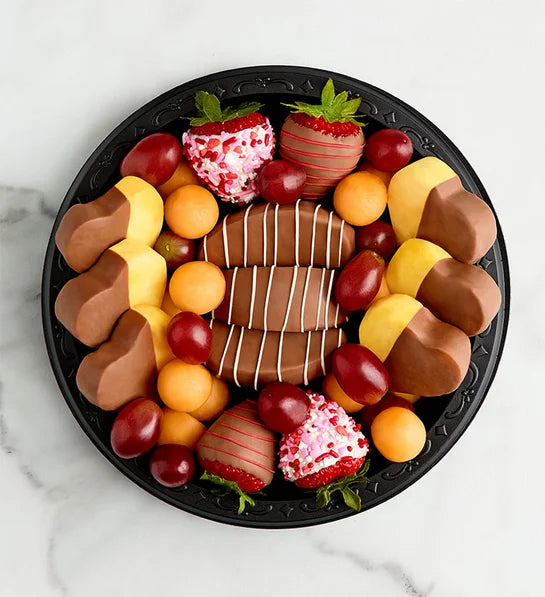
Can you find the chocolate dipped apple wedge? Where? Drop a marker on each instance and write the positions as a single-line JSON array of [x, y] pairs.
[[326, 139]]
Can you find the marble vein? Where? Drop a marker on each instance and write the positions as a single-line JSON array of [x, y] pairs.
[[394, 570]]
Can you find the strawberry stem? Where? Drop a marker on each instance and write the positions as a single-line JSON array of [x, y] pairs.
[[350, 497], [209, 109], [225, 487], [334, 108]]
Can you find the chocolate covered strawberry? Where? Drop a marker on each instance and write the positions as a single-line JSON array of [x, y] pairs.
[[326, 139], [227, 148], [238, 452], [325, 452]]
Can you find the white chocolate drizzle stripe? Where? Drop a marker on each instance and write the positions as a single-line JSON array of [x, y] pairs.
[[237, 357], [337, 315], [225, 243], [279, 359], [320, 300], [252, 298], [267, 295], [328, 241], [340, 337], [313, 237], [204, 248], [290, 298], [275, 233], [265, 234], [307, 353], [341, 231], [297, 232], [259, 357], [307, 278], [245, 235], [225, 348], [231, 296], [328, 301], [322, 352]]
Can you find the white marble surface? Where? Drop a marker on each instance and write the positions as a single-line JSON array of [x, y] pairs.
[[70, 524]]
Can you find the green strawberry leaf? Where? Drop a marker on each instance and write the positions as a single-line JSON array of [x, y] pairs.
[[209, 109], [225, 487], [328, 93], [333, 108], [351, 498]]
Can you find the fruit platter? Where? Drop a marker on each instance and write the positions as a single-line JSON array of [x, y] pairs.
[[275, 296]]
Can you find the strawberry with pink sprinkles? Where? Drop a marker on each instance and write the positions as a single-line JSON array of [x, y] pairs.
[[227, 148], [327, 446]]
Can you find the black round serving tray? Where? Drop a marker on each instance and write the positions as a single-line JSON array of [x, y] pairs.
[[445, 417]]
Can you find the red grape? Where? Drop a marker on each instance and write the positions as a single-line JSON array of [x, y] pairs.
[[136, 428], [172, 465], [389, 149], [359, 281], [360, 373], [282, 406], [369, 413], [154, 158], [190, 337], [281, 182], [175, 249], [378, 237]]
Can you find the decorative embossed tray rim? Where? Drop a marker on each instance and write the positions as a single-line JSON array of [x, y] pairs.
[[245, 83]]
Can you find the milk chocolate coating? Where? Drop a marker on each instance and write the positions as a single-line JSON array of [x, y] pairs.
[[89, 305], [87, 230], [319, 253], [123, 368], [325, 158], [461, 294], [458, 221], [430, 357], [246, 304], [240, 356], [239, 439]]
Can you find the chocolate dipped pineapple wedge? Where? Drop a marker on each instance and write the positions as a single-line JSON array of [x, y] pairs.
[[458, 293], [129, 273], [125, 367], [132, 209], [424, 356], [426, 200]]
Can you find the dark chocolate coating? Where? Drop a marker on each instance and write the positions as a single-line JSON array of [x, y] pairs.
[[89, 305], [460, 294], [88, 229], [430, 357], [290, 367], [122, 369], [240, 439], [326, 158], [245, 301], [287, 252], [458, 221]]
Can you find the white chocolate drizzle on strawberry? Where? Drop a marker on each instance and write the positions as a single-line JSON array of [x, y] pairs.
[[229, 162], [327, 436]]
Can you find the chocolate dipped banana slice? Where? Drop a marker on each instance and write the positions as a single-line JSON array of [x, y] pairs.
[[458, 293], [424, 356], [257, 357], [301, 233], [132, 208], [129, 273], [126, 366], [426, 200], [293, 299]]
